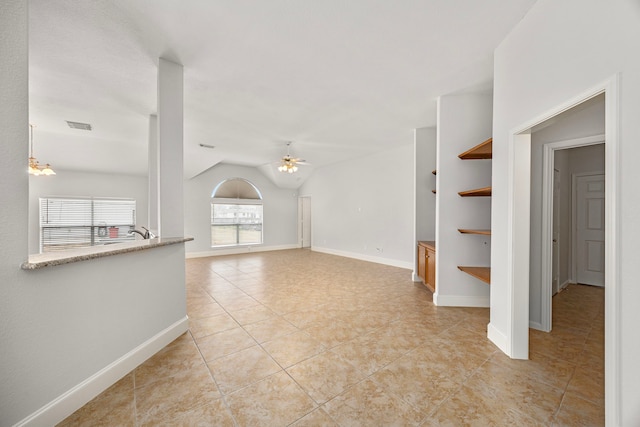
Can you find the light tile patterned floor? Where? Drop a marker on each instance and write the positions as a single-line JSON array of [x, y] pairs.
[[308, 339]]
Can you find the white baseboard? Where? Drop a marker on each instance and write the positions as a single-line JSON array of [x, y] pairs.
[[498, 338], [238, 250], [566, 283], [362, 257], [415, 277], [460, 301], [69, 402], [536, 325]]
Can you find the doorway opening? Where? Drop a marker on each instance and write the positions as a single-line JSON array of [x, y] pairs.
[[572, 227], [519, 235]]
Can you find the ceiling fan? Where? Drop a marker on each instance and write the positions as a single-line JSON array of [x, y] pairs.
[[290, 164]]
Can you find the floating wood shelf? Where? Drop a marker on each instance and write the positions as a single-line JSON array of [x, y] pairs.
[[481, 273], [480, 151], [479, 192], [472, 231]]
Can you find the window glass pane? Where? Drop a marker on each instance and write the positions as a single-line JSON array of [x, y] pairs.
[[250, 234], [235, 224]]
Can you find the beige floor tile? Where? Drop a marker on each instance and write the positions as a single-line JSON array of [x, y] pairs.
[[318, 315], [325, 376], [367, 404], [224, 343], [316, 418], [274, 401], [240, 369], [588, 384], [212, 414], [270, 329], [211, 325], [182, 354], [539, 367], [534, 399], [469, 408], [577, 412], [331, 333], [174, 396], [304, 319], [293, 348], [112, 407], [415, 380], [445, 356], [252, 314], [197, 310], [372, 351]]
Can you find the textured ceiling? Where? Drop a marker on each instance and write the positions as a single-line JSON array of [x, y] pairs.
[[340, 79]]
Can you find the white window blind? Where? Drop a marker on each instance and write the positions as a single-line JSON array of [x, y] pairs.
[[67, 223]]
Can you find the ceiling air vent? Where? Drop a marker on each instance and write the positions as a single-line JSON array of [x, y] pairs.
[[207, 146], [77, 125]]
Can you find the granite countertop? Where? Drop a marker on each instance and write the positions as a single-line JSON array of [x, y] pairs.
[[50, 259]]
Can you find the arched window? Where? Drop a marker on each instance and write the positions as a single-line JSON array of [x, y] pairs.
[[236, 213]]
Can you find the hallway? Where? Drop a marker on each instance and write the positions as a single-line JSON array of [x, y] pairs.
[[309, 339]]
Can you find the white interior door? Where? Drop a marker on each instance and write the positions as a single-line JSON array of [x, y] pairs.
[[590, 230], [555, 257], [304, 222]]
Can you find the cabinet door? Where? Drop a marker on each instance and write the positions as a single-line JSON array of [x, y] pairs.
[[422, 262], [430, 276]]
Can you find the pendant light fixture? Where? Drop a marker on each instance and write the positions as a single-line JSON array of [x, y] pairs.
[[34, 166]]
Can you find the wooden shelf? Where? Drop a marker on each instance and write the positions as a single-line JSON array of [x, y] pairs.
[[473, 231], [481, 273], [435, 172], [480, 151], [479, 192], [433, 191]]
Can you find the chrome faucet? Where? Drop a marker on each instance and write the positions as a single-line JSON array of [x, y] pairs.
[[146, 235]]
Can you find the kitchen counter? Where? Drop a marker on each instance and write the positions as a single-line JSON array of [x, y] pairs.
[[51, 259]]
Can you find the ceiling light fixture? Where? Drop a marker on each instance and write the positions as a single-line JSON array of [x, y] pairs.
[[34, 166], [287, 166], [290, 164]]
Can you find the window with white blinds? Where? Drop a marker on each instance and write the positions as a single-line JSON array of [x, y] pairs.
[[67, 223]]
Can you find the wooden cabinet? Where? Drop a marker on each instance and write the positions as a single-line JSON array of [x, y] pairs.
[[427, 263]]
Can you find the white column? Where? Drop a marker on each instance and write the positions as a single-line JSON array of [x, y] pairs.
[[14, 134], [170, 134], [154, 178]]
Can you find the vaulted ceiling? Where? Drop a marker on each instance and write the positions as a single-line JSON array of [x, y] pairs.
[[340, 79]]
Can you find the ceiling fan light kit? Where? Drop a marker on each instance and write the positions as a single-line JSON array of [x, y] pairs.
[[34, 167], [289, 164]]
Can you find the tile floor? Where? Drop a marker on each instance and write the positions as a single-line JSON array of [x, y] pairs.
[[307, 339]]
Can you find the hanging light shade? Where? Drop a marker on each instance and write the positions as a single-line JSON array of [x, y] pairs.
[[34, 167]]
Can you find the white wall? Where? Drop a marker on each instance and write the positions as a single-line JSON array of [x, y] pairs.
[[364, 208], [581, 122], [559, 50], [280, 209], [84, 184], [464, 121], [61, 325], [425, 160]]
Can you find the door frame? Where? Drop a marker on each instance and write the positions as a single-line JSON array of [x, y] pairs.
[[518, 226], [548, 165], [300, 219]]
